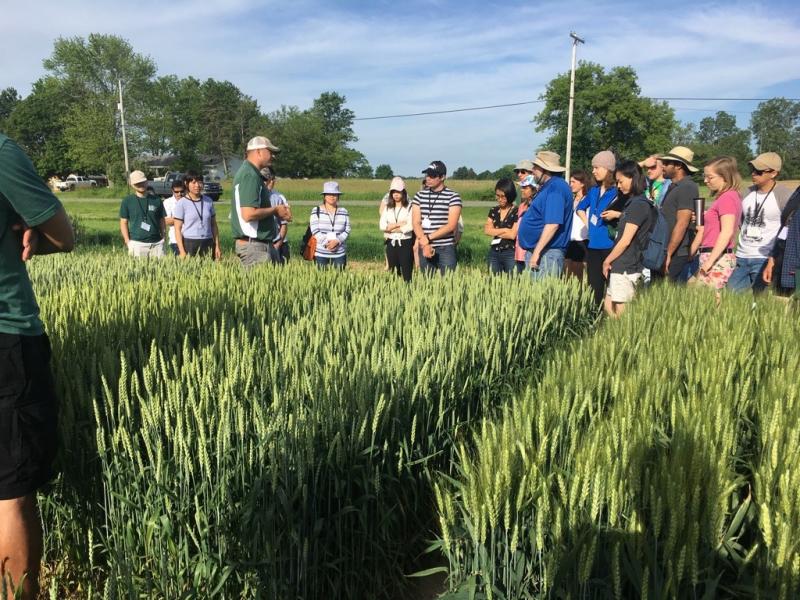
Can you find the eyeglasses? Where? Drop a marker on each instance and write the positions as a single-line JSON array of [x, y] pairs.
[[760, 172]]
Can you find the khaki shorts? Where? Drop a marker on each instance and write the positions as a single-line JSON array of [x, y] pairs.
[[146, 249], [622, 286]]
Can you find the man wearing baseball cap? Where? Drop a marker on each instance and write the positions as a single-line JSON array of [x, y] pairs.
[[677, 206], [435, 211], [544, 229], [254, 221], [763, 225], [142, 220]]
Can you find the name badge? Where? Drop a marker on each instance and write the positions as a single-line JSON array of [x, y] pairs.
[[783, 233], [495, 241], [426, 223], [593, 220], [145, 226], [753, 233]]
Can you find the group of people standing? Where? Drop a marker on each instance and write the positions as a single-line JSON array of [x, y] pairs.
[[736, 243]]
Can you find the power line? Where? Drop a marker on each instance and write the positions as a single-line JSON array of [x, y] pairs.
[[473, 108], [442, 112]]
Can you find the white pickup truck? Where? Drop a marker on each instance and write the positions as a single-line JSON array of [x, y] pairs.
[[75, 182]]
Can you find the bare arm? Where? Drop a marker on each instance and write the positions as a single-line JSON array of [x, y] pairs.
[[727, 226], [452, 223], [683, 217], [123, 229], [508, 234], [416, 222], [55, 234], [582, 216], [627, 237], [179, 237]]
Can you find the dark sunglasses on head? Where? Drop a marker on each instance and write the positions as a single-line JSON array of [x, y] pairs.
[[759, 171]]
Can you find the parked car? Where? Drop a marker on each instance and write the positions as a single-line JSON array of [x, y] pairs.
[[163, 186], [100, 180], [75, 182]]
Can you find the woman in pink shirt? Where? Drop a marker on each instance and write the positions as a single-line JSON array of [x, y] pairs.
[[527, 191], [716, 239]]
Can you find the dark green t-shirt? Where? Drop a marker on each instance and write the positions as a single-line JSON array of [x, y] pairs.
[[144, 217], [248, 190], [23, 197]]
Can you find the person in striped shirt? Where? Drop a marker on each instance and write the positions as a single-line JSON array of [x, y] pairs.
[[330, 225], [435, 212]]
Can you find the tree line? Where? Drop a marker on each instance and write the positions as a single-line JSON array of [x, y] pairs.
[[70, 121]]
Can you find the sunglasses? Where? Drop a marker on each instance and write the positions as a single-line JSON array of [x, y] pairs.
[[760, 172], [523, 171]]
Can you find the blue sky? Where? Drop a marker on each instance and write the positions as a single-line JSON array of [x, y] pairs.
[[399, 57]]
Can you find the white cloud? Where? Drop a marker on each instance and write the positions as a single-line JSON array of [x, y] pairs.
[[437, 54]]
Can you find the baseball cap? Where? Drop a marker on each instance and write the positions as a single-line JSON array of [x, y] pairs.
[[767, 161], [137, 177], [437, 168], [259, 142], [397, 184]]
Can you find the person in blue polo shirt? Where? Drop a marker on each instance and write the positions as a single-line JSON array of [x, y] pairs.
[[544, 229]]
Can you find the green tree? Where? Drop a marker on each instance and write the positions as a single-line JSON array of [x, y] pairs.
[[9, 98], [776, 127], [464, 173], [721, 136], [609, 114], [506, 171], [360, 168], [92, 67], [36, 123], [383, 172]]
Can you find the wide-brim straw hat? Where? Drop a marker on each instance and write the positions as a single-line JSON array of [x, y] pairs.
[[683, 155], [549, 161]]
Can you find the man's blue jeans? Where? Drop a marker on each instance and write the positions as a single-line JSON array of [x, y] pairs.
[[747, 275], [444, 260], [551, 263]]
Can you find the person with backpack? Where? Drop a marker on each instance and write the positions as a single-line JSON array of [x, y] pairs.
[[716, 237], [590, 211], [623, 265], [398, 231], [330, 227]]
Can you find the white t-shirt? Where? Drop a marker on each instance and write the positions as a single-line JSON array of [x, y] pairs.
[[169, 208], [579, 230], [761, 220]]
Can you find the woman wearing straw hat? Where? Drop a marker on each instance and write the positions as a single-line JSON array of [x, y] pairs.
[[398, 230], [330, 225]]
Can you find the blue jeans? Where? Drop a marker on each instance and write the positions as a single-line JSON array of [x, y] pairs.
[[174, 248], [501, 261], [551, 263], [747, 275], [337, 262], [444, 260]]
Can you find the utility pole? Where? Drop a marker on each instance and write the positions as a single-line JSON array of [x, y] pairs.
[[575, 41], [121, 109]]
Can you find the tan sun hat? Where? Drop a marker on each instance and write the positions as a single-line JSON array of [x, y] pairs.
[[681, 154], [549, 161], [524, 165], [767, 161], [137, 177]]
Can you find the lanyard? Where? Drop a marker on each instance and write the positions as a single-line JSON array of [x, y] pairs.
[[432, 203], [333, 219], [396, 214], [502, 221], [200, 211], [760, 207], [143, 208]]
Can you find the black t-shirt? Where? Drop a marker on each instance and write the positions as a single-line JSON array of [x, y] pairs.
[[679, 196], [507, 223], [638, 211]]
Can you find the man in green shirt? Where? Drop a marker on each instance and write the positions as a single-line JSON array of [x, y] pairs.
[[253, 218], [32, 221], [141, 220]]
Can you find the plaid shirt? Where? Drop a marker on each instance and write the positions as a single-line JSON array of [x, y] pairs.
[[791, 256]]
